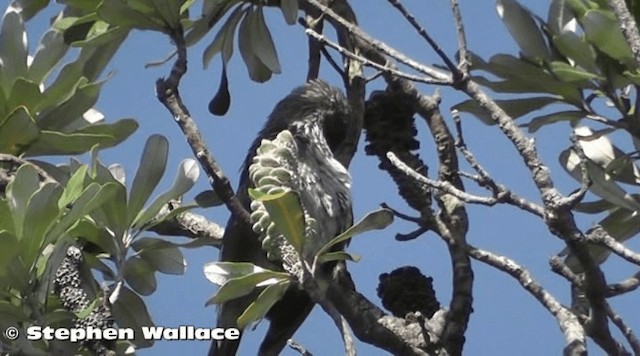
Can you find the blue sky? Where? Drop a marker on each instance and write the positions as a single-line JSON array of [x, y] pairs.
[[505, 317]]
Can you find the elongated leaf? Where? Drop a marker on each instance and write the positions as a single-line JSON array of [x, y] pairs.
[[259, 308], [65, 114], [117, 12], [567, 73], [42, 211], [289, 10], [186, 177], [218, 42], [262, 43], [28, 8], [19, 191], [207, 199], [523, 28], [13, 49], [220, 273], [131, 312], [285, 211], [170, 11], [603, 30], [167, 260], [258, 72], [603, 186], [539, 121], [513, 107], [140, 276], [241, 286], [81, 141], [375, 220], [17, 132], [577, 49], [24, 93], [621, 225], [150, 170], [338, 256]]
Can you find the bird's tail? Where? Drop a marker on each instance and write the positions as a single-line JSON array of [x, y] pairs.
[[286, 316], [228, 314]]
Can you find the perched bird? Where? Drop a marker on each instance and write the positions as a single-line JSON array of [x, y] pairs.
[[317, 116]]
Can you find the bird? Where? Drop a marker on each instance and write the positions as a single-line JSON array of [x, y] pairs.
[[318, 117]]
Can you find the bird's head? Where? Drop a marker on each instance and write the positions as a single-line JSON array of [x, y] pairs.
[[314, 103]]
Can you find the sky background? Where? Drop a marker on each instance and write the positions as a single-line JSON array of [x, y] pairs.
[[506, 319]]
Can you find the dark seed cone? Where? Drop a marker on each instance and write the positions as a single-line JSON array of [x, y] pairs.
[[406, 290], [390, 126], [68, 286]]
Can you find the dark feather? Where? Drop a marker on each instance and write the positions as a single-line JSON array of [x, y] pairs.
[[317, 115]]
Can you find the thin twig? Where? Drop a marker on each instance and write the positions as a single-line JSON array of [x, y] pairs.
[[380, 46], [424, 34], [573, 332], [322, 39], [168, 94], [625, 329], [628, 285], [463, 60]]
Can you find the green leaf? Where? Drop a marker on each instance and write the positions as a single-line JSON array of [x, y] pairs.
[[82, 140], [376, 220], [262, 43], [93, 196], [207, 199], [12, 313], [90, 232], [602, 185], [212, 12], [6, 223], [289, 10], [220, 273], [167, 260], [259, 308], [576, 49], [131, 312], [24, 93], [539, 121], [69, 112], [285, 211], [151, 169], [186, 177], [112, 213], [17, 132], [29, 8], [225, 34], [244, 285], [13, 49], [523, 28], [621, 224], [568, 73], [75, 186], [513, 107], [42, 211], [50, 51], [559, 16], [525, 77], [140, 276], [258, 72], [602, 29], [9, 248], [126, 14], [338, 256], [170, 12], [19, 191]]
